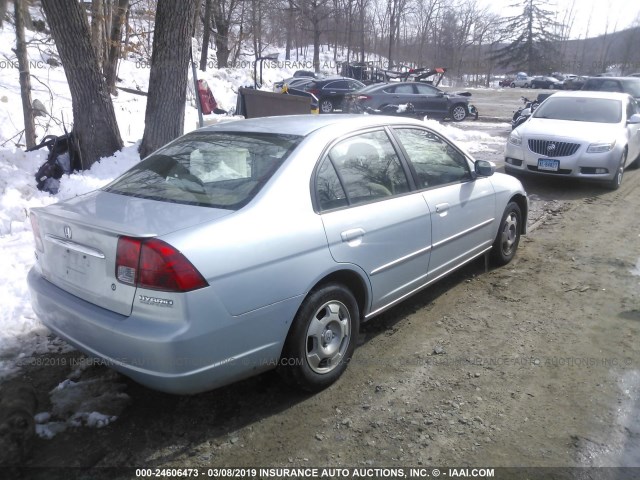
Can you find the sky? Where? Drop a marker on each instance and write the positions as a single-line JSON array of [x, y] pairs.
[[617, 14]]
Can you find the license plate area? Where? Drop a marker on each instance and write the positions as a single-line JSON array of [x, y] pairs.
[[76, 265], [548, 164]]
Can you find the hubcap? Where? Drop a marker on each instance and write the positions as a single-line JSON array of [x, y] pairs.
[[459, 113], [509, 233], [328, 337], [327, 107]]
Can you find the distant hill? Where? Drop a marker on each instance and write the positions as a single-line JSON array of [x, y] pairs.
[[617, 52]]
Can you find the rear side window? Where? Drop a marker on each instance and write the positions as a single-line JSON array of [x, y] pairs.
[[211, 169], [434, 160], [360, 169]]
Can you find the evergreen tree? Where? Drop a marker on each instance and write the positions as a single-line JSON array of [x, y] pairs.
[[533, 45]]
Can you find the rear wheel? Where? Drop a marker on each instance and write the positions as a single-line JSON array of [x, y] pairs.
[[506, 242], [458, 113], [322, 338], [326, 105]]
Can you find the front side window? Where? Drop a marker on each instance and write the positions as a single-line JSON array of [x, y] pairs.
[[360, 169], [427, 90], [210, 169], [434, 160]]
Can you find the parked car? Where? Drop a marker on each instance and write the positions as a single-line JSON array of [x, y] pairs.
[[585, 135], [522, 80], [573, 83], [630, 85], [307, 74], [420, 99], [505, 82], [545, 82], [259, 243], [331, 91], [293, 82]]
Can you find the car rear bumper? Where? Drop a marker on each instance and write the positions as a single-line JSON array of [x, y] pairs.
[[180, 357]]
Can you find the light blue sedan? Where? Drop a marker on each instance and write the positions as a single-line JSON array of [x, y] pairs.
[[264, 243]]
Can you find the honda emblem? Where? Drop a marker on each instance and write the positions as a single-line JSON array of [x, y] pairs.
[[67, 232]]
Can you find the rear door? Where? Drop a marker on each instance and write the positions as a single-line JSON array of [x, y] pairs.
[[371, 216]]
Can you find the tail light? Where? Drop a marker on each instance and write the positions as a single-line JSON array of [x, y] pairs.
[[156, 265], [314, 91], [362, 98], [35, 226]]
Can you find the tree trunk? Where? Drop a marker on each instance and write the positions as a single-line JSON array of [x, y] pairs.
[[221, 34], [115, 45], [97, 28], [95, 125], [25, 79], [206, 35], [164, 116]]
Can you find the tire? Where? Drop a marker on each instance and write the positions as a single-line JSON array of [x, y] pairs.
[[458, 112], [508, 237], [326, 105], [526, 85], [322, 338], [513, 85], [616, 181]]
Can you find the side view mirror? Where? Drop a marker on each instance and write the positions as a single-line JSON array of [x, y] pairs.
[[483, 168], [634, 119], [440, 94]]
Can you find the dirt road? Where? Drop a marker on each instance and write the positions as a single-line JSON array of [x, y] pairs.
[[533, 364]]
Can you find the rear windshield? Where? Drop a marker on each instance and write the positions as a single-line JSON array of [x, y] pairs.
[[212, 169], [599, 110]]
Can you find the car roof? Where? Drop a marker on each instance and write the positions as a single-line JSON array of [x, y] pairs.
[[305, 124]]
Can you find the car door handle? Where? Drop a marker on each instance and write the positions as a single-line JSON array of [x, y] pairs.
[[442, 208], [351, 235]]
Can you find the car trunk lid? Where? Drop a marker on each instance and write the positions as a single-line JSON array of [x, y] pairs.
[[79, 241]]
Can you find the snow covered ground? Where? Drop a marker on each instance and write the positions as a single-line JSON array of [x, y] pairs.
[[78, 402]]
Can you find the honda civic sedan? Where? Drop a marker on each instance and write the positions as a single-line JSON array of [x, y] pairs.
[[265, 243], [582, 135]]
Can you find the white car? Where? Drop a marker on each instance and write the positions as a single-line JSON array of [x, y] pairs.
[[587, 135], [522, 80]]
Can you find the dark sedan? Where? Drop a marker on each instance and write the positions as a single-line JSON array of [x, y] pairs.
[[546, 82], [413, 98], [331, 92], [628, 85]]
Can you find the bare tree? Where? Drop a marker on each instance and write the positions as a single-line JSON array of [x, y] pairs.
[[25, 79], [206, 35], [115, 44], [164, 116], [95, 127], [222, 14]]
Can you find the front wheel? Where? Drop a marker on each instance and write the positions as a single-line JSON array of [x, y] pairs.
[[616, 181], [326, 105], [322, 338], [458, 113], [506, 242]]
